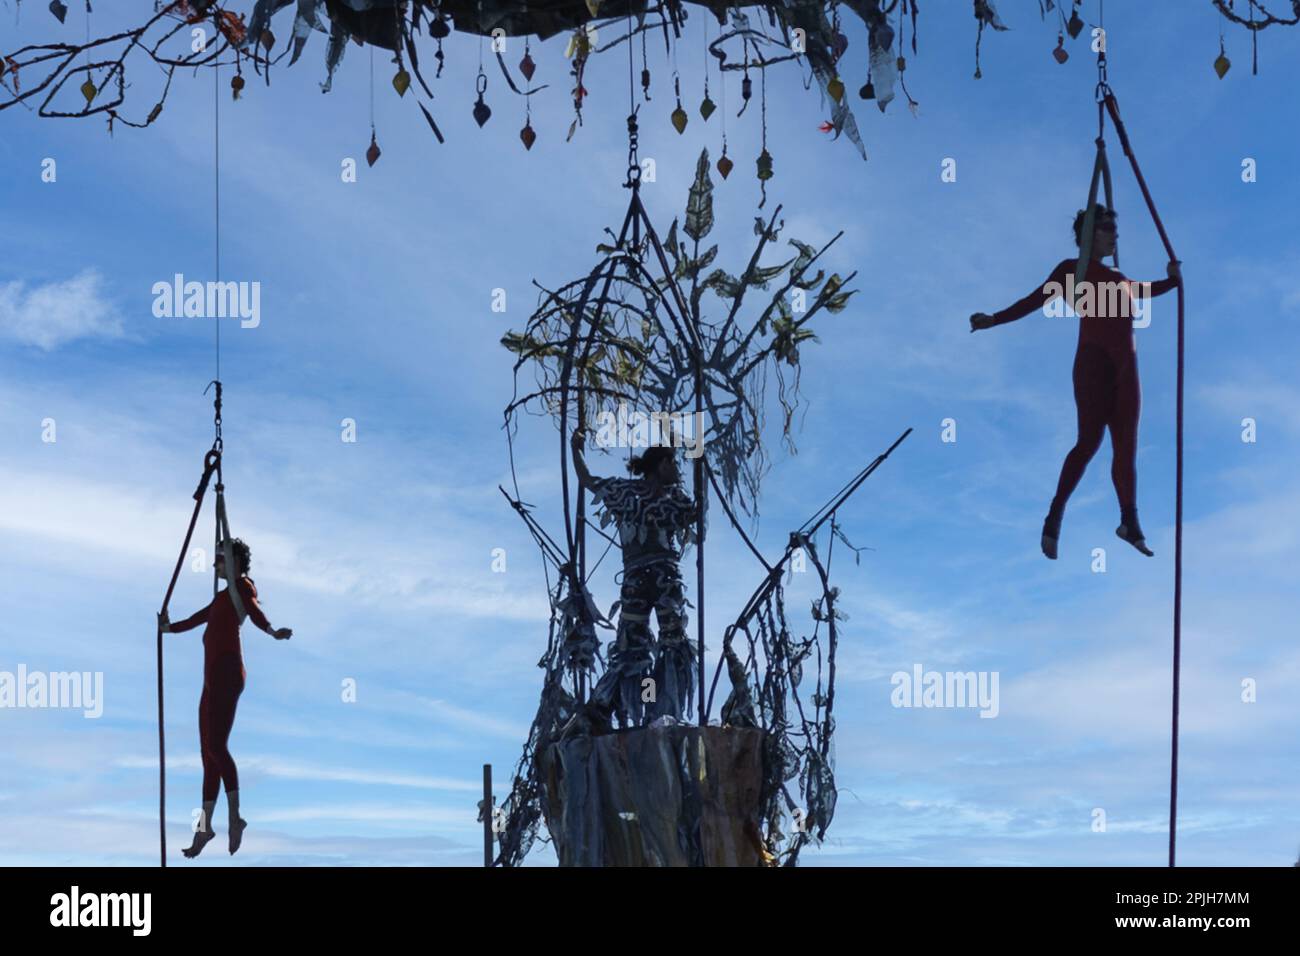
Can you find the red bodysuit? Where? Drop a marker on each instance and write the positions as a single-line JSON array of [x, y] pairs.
[[1106, 387], [223, 681]]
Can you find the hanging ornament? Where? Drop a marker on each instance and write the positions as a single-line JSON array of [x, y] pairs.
[[592, 7], [1075, 24], [527, 66], [746, 88], [836, 89], [372, 154], [1060, 52], [868, 91], [1221, 63], [402, 82], [679, 115], [439, 30], [765, 165], [236, 84], [724, 163], [708, 106], [528, 135], [481, 110], [645, 82], [59, 9], [839, 44], [268, 39], [88, 91]]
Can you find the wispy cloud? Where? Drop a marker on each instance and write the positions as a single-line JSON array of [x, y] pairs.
[[56, 313]]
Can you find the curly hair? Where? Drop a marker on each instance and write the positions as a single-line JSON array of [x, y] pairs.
[[1100, 212], [648, 461], [243, 554]]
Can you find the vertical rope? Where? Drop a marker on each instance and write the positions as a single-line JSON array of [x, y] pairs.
[[216, 193], [1113, 108]]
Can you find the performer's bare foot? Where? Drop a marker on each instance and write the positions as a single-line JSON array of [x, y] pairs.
[[237, 833], [1134, 537], [1051, 532], [201, 839]]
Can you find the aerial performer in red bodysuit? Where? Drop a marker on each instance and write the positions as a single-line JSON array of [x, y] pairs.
[[223, 682], [1107, 393]]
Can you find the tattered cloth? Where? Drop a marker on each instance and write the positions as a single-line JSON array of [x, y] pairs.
[[653, 523], [656, 796]]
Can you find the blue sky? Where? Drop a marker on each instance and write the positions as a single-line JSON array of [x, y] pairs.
[[376, 306]]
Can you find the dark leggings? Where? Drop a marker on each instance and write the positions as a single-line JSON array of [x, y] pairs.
[[223, 682], [1107, 394]]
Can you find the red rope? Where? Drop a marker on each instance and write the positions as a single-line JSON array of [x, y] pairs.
[[1113, 108]]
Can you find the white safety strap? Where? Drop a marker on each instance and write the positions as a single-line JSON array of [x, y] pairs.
[[233, 574]]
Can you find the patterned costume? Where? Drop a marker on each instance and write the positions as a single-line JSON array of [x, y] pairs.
[[653, 526]]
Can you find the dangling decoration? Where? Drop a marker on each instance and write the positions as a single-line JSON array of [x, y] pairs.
[[868, 91], [481, 110], [88, 91], [679, 115], [439, 30], [526, 65], [645, 70], [401, 81], [764, 158], [372, 154], [836, 89], [1060, 52], [236, 85], [1222, 64], [707, 106], [527, 135], [724, 164], [1075, 24]]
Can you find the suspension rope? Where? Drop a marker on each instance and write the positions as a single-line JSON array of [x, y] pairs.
[[211, 466], [1107, 103]]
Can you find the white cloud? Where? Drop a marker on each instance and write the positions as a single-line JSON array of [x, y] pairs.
[[56, 313], [301, 770]]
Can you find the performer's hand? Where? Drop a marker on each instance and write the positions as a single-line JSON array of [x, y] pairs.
[[981, 320], [282, 633], [1174, 270], [164, 624]]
